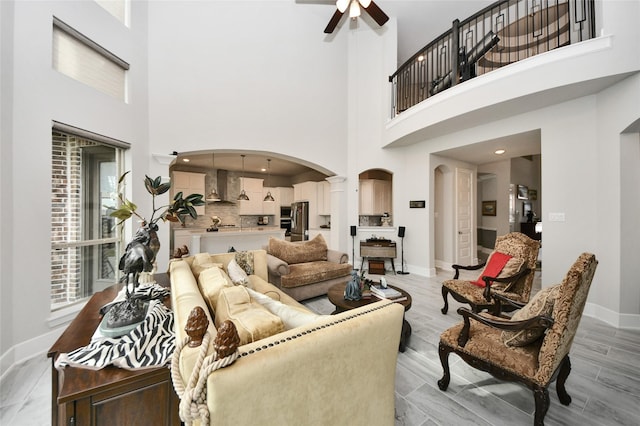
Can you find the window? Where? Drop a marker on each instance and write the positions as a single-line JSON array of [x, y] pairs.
[[85, 243], [118, 8], [78, 57]]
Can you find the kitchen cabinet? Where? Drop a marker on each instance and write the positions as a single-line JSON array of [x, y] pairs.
[[188, 183], [375, 197], [306, 191], [286, 196], [270, 207], [253, 188], [324, 198]]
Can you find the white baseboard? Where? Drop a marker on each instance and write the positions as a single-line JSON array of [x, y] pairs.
[[38, 346], [445, 266], [615, 319]]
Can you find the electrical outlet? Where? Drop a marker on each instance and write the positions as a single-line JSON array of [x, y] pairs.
[[556, 217]]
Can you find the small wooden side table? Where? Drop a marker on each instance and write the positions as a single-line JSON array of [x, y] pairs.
[[336, 296], [110, 396]]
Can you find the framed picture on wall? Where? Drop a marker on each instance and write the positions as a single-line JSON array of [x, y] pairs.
[[526, 208], [523, 192], [489, 208]]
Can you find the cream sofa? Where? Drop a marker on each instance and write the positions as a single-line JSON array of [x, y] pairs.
[[306, 269], [319, 370]]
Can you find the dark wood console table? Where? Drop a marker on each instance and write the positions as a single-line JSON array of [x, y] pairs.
[[378, 249], [110, 396]]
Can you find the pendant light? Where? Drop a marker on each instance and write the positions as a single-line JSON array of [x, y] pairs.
[[268, 197], [213, 195], [243, 195]]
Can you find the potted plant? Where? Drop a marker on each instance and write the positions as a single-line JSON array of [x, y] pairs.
[[140, 254]]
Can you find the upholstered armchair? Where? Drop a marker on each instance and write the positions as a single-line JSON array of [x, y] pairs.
[[533, 346], [509, 271]]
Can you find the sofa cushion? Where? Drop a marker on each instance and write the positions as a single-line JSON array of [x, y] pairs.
[[210, 282], [312, 272], [291, 316], [237, 274], [299, 251], [202, 261], [252, 320], [541, 304]]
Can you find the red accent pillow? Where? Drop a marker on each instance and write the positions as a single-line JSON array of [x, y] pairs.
[[494, 266]]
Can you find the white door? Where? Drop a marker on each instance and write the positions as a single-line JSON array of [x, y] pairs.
[[464, 241]]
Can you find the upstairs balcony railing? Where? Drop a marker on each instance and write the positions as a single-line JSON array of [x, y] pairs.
[[505, 32]]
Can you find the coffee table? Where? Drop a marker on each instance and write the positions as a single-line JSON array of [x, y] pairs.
[[336, 296]]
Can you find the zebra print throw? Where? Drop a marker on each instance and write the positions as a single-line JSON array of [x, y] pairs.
[[150, 344]]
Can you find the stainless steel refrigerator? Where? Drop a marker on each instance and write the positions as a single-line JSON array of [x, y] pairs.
[[300, 221]]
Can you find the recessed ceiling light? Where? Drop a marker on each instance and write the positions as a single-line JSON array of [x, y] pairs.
[[186, 160], [500, 151], [263, 169]]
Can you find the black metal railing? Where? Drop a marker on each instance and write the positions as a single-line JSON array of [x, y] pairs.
[[505, 32]]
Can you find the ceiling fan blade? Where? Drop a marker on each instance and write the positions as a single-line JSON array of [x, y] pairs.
[[377, 14], [333, 22]]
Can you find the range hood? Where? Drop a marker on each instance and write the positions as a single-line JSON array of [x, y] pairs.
[[223, 189]]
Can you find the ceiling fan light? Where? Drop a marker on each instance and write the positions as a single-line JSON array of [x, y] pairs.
[[354, 10], [342, 5], [365, 3]]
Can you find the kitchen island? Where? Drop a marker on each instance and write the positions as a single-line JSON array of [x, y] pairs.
[[201, 241]]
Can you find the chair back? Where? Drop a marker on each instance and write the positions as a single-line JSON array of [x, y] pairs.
[[567, 311], [520, 246]]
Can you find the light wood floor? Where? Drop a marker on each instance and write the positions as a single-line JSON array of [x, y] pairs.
[[604, 381]]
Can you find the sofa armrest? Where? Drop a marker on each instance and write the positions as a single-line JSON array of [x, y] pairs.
[[336, 256], [269, 379], [276, 266]]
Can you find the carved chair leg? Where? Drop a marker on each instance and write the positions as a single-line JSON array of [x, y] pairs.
[[445, 292], [541, 396], [565, 369], [444, 352]]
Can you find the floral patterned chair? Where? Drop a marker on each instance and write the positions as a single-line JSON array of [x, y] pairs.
[[509, 271], [533, 346]]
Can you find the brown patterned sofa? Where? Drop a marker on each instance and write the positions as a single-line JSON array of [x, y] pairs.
[[533, 346], [306, 269]]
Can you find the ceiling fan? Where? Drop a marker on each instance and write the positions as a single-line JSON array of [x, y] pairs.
[[354, 11]]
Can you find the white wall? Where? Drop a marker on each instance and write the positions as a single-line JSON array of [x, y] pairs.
[[255, 75], [39, 96]]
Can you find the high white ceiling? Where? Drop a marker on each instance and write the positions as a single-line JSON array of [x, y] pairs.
[[419, 22]]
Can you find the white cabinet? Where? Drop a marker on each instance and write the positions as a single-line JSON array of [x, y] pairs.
[[306, 191], [286, 196], [188, 183], [253, 188], [375, 197], [270, 207], [324, 198]]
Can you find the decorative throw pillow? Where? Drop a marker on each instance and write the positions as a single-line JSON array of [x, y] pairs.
[[237, 274], [210, 282], [541, 304], [496, 262], [299, 251], [512, 267], [198, 269], [245, 260]]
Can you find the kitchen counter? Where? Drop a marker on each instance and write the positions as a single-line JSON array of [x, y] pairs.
[[221, 241]]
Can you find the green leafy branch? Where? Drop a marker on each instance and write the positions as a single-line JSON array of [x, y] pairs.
[[175, 211]]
